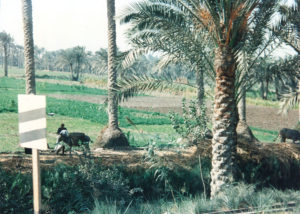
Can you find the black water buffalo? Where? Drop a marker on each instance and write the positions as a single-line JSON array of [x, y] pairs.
[[289, 134], [73, 139]]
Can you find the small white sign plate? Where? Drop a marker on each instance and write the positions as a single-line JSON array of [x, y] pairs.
[[32, 121]]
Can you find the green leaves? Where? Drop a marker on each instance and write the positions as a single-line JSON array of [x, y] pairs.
[[193, 124]]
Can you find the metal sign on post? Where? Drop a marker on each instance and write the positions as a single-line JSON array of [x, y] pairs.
[[32, 131], [32, 121]]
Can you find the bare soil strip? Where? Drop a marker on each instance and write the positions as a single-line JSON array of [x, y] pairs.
[[257, 116]]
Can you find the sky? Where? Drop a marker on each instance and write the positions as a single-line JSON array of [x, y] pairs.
[[61, 24]]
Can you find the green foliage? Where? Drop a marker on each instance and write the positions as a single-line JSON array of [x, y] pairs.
[[107, 183], [67, 189], [240, 195], [64, 190], [104, 208], [264, 135], [255, 93], [73, 189], [270, 172], [193, 124], [96, 113], [16, 192], [18, 86]]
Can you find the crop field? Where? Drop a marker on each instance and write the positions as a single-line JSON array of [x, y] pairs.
[[82, 109], [83, 116]]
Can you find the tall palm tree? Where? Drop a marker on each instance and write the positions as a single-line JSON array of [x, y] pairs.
[[28, 47], [112, 136], [31, 89], [227, 23], [80, 61], [5, 40]]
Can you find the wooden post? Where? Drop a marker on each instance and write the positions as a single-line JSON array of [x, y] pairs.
[[36, 178], [32, 129]]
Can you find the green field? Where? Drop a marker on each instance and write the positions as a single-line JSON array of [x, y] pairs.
[[84, 116], [78, 116]]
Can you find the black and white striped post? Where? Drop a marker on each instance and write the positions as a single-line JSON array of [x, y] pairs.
[[32, 131]]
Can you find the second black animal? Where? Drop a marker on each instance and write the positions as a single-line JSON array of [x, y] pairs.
[[289, 134]]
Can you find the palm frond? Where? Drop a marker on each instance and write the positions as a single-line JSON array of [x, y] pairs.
[[288, 101], [132, 55], [133, 85]]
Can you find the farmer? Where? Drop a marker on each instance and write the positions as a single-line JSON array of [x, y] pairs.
[[57, 144], [62, 127]]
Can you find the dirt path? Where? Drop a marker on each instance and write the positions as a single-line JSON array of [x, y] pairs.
[[131, 158], [257, 116]]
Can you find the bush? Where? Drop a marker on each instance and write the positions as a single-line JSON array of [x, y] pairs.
[[107, 184], [15, 192], [270, 172], [192, 126], [74, 189], [64, 190]]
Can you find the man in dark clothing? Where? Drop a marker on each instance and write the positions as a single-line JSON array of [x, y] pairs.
[[57, 144], [62, 127]]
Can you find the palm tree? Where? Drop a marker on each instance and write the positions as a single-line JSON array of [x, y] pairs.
[[65, 59], [75, 59], [5, 40], [112, 136], [28, 47], [80, 61], [31, 89], [99, 62], [227, 23]]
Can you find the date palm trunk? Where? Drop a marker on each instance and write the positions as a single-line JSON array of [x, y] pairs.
[[242, 106], [5, 60], [277, 87], [262, 89], [224, 121], [28, 47], [31, 89], [200, 87], [266, 91], [243, 130], [112, 136]]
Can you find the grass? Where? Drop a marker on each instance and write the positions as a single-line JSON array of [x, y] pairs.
[[9, 139], [78, 116], [234, 197], [77, 109], [18, 86], [264, 135], [40, 74], [88, 117]]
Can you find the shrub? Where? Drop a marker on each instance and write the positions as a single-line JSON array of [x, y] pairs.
[[15, 192], [193, 124], [73, 189], [107, 184], [64, 190]]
